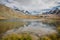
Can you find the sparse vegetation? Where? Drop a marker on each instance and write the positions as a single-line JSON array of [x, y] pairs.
[[17, 37]]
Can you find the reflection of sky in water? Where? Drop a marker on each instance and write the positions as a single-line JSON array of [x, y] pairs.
[[31, 5], [36, 28]]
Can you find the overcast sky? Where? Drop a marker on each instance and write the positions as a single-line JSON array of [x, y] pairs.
[[38, 4], [32, 4]]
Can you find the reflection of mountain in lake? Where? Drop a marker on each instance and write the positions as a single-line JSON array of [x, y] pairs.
[[36, 28]]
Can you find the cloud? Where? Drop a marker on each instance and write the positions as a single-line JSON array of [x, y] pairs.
[[31, 4], [24, 2], [38, 4]]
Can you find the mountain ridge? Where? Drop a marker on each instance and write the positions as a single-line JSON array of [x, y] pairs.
[[8, 13]]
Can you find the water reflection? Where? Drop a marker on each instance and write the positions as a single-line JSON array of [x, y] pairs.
[[35, 27]]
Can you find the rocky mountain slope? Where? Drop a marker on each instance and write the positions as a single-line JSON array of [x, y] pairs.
[[7, 13], [54, 10]]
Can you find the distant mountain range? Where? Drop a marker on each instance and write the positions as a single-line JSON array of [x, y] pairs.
[[9, 13], [54, 10]]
